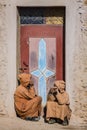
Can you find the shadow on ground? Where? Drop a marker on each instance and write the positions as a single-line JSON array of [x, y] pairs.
[[19, 124]]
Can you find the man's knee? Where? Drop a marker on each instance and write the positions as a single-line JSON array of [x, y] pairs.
[[39, 98]]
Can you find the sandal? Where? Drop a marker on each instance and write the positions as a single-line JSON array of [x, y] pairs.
[[51, 121]]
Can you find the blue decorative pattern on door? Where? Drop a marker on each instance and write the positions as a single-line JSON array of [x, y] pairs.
[[42, 71]]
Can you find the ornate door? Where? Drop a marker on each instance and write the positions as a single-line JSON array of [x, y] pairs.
[[42, 55]]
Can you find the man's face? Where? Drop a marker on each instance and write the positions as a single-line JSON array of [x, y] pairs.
[[62, 88], [26, 83]]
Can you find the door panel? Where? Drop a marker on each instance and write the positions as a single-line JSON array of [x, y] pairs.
[[42, 55], [42, 59]]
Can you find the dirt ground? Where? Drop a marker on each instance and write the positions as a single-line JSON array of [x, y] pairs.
[[19, 124]]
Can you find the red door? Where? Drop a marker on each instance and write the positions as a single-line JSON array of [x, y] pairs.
[[41, 48]]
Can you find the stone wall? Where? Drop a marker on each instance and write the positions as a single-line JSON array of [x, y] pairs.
[[79, 72], [76, 54], [3, 59]]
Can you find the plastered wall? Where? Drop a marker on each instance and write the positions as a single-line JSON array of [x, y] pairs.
[[75, 53]]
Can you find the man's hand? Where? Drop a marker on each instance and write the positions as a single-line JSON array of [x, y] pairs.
[[53, 91], [28, 86]]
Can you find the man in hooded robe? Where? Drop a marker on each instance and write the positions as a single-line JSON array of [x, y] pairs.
[[57, 107], [27, 103]]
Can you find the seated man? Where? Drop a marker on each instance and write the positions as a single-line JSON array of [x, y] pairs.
[[27, 103], [57, 107]]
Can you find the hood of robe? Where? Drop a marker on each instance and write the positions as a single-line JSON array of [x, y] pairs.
[[59, 84], [24, 79]]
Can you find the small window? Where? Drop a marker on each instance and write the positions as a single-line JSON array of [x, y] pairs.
[[41, 15]]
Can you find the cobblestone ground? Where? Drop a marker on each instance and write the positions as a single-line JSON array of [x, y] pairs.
[[19, 124]]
